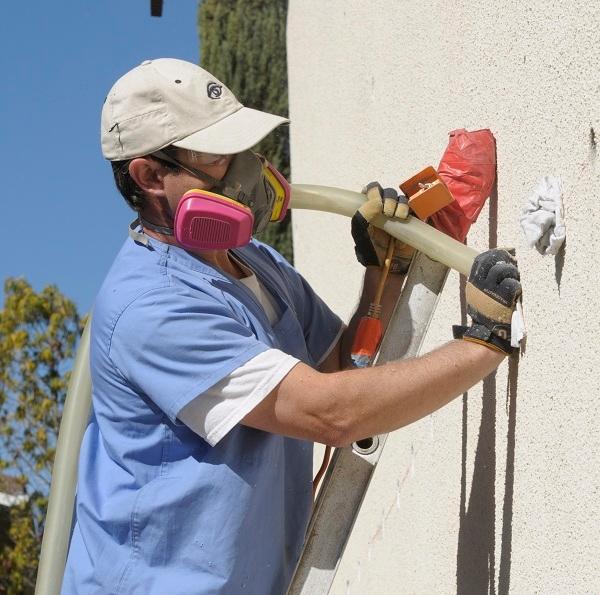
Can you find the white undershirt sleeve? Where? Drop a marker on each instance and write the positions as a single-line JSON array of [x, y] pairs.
[[213, 413]]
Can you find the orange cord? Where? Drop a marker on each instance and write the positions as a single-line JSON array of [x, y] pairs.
[[322, 470]]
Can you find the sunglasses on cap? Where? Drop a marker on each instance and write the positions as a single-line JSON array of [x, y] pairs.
[[167, 156], [196, 157], [205, 158]]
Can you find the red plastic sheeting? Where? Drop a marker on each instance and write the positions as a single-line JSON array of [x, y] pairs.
[[468, 168]]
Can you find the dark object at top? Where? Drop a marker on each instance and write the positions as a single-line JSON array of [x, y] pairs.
[[156, 7]]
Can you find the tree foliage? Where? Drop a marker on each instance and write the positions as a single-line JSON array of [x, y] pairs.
[[38, 334], [243, 43]]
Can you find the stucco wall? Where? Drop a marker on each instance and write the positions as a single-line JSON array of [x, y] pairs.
[[498, 492]]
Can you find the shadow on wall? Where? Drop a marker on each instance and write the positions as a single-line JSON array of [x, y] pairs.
[[476, 552], [559, 263]]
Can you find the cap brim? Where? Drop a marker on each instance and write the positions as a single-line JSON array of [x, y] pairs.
[[233, 134]]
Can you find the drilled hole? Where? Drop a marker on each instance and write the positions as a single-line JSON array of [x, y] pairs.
[[365, 443], [366, 446]]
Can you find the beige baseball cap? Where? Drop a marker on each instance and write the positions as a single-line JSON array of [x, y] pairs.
[[172, 102]]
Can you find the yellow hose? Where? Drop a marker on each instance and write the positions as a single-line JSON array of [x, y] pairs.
[[57, 530], [426, 239]]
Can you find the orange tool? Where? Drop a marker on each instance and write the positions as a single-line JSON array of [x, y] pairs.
[[369, 332]]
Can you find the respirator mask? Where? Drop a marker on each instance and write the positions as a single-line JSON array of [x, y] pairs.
[[251, 194]]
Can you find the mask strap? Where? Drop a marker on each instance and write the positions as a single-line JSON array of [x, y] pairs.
[[141, 237], [168, 231]]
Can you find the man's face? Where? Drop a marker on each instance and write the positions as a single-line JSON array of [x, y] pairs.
[[177, 183]]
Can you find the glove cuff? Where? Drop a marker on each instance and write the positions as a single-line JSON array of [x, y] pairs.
[[363, 247], [478, 333]]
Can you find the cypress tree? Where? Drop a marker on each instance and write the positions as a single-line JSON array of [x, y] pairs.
[[243, 43]]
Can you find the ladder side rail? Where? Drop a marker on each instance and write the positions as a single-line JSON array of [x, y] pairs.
[[349, 474]]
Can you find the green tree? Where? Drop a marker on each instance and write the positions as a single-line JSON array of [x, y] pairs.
[[243, 44], [38, 334]]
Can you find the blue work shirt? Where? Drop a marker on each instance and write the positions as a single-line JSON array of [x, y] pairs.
[[159, 510]]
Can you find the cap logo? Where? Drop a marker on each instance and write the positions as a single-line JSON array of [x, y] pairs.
[[214, 90]]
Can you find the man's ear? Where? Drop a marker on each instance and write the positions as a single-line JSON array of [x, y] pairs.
[[149, 175]]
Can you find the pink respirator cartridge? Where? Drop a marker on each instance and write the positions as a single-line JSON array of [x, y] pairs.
[[208, 221]]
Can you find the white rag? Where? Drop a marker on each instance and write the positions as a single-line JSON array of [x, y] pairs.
[[543, 219]]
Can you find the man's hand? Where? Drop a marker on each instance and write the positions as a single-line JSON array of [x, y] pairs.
[[492, 292], [370, 242]]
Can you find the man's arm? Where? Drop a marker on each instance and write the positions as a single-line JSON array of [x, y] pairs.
[[342, 407]]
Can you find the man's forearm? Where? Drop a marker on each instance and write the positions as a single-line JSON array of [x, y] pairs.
[[388, 301], [381, 399], [404, 391]]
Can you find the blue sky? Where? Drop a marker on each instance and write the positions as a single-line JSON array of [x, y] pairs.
[[63, 219]]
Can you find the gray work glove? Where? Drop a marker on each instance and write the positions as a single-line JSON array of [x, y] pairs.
[[493, 290], [370, 242]]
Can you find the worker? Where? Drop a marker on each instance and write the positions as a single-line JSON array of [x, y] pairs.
[[215, 369]]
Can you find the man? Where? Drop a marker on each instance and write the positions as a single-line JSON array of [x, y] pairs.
[[215, 368]]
